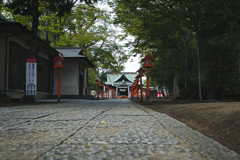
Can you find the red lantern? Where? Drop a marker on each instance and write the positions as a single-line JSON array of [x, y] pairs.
[[147, 61], [135, 82], [58, 61], [140, 72], [137, 78], [148, 64], [97, 82], [59, 65], [103, 84]]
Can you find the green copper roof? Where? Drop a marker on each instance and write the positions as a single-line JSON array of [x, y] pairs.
[[115, 78]]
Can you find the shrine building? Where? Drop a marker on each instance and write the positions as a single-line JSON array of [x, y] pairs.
[[121, 82]]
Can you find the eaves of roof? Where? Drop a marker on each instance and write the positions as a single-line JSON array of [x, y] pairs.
[[18, 29], [70, 51]]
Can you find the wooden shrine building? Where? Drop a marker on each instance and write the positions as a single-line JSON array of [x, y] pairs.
[[121, 82]]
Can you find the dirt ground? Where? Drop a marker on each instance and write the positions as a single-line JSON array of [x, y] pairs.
[[217, 120]]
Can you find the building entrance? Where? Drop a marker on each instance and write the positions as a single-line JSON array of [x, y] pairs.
[[122, 82], [123, 92]]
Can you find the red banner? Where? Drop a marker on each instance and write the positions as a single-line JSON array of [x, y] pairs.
[[31, 60]]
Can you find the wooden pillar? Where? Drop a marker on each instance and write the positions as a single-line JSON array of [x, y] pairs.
[[102, 90], [141, 88], [98, 91], [59, 85], [147, 85]]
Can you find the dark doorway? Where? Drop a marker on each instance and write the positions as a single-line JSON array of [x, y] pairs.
[[81, 80], [123, 92]]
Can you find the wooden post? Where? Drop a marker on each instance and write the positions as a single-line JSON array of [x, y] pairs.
[[106, 92], [147, 64], [59, 85], [58, 64], [137, 89], [135, 92], [102, 90], [147, 85], [141, 88], [98, 91]]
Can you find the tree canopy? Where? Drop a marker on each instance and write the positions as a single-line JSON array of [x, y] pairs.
[[172, 30], [71, 23]]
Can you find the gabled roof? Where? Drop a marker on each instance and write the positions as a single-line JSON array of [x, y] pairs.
[[59, 56], [14, 27], [17, 29], [70, 51], [74, 53], [123, 78], [147, 57], [115, 78]]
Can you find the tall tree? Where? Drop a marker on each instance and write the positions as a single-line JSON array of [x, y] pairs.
[[169, 28], [90, 29], [85, 26], [31, 8]]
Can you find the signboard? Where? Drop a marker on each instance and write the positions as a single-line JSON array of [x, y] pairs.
[[110, 93], [122, 90], [31, 76], [104, 91]]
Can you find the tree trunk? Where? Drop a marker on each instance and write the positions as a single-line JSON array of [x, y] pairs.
[[46, 25], [186, 77], [34, 31], [175, 86]]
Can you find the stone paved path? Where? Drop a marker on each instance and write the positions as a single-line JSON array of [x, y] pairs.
[[104, 129]]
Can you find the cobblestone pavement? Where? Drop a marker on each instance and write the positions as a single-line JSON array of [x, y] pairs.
[[104, 129]]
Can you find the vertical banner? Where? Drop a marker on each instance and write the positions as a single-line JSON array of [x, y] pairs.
[[31, 76], [104, 91], [110, 93]]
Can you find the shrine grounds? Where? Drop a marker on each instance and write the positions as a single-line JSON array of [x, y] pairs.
[[101, 129]]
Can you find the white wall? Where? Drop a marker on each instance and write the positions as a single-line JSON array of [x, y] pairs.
[[69, 79]]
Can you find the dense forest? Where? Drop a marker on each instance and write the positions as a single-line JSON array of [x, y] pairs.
[[195, 43]]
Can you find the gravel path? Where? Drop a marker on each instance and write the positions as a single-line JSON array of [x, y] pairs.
[[104, 129]]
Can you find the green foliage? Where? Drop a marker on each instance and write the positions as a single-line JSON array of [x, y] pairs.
[[86, 27], [92, 78], [167, 30], [65, 23], [25, 7]]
